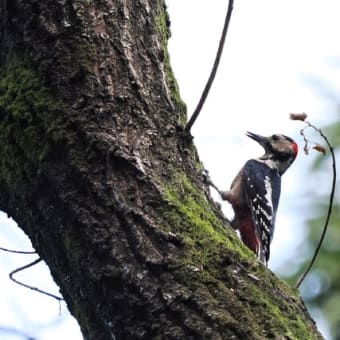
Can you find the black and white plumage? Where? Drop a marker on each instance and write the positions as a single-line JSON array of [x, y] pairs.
[[255, 192], [262, 191]]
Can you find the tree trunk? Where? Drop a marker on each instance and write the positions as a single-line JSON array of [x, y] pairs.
[[96, 168]]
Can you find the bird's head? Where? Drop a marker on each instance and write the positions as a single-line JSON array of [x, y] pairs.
[[280, 150]]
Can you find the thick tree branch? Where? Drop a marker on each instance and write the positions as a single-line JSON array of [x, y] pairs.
[[96, 170]]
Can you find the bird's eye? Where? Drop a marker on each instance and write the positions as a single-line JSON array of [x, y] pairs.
[[275, 137]]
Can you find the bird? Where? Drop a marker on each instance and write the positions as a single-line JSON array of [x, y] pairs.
[[255, 192]]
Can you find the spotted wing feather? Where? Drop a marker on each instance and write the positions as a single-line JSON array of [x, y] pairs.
[[262, 191]]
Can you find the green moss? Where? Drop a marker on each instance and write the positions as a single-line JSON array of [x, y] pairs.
[[206, 239], [162, 23], [277, 309], [214, 257], [26, 107]]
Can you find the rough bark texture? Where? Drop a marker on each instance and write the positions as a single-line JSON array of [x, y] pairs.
[[96, 169]]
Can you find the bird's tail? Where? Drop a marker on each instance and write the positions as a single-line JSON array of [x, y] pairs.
[[263, 257]]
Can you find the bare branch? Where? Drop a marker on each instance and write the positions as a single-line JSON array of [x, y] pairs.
[[211, 78], [28, 286], [16, 333], [17, 251], [319, 148]]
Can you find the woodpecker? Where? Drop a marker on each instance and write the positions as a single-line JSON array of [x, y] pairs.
[[255, 192]]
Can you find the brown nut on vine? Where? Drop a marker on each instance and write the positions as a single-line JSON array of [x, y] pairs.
[[319, 148], [298, 116]]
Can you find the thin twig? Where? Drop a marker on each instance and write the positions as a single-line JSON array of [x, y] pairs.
[[211, 78], [208, 181], [16, 333], [28, 286], [330, 205], [17, 251], [212, 184]]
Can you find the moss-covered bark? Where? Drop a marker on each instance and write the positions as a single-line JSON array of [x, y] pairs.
[[24, 104], [97, 170]]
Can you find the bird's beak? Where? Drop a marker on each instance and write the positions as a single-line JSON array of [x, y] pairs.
[[258, 138]]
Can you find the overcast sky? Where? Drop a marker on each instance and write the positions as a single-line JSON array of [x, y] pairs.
[[276, 54]]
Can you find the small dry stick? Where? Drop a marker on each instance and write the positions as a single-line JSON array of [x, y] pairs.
[[320, 148], [16, 333], [206, 90], [25, 267], [17, 251], [31, 264]]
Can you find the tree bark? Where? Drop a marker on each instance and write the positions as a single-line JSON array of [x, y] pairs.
[[97, 170]]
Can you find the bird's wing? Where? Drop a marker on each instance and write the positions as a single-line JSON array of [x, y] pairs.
[[262, 190]]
